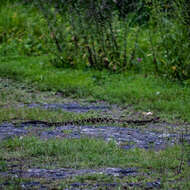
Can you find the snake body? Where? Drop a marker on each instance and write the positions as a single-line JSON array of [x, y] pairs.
[[95, 120]]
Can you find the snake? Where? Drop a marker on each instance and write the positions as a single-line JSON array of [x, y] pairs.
[[93, 120]]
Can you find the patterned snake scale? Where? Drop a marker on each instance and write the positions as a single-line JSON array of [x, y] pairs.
[[92, 120]]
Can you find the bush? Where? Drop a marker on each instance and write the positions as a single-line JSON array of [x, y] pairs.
[[21, 32], [94, 33], [145, 35], [171, 45]]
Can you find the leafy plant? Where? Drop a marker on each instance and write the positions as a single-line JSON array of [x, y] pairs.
[[89, 33], [170, 44]]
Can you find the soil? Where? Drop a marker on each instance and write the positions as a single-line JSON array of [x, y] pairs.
[[150, 136]]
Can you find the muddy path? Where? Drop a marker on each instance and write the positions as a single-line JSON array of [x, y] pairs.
[[151, 135], [147, 137], [127, 137]]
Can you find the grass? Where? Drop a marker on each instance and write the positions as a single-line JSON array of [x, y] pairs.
[[87, 153], [93, 153], [32, 152], [144, 91], [27, 76], [149, 93], [10, 114]]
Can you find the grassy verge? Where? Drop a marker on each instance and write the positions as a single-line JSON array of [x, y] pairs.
[[93, 153], [22, 114], [87, 153], [146, 92], [149, 93]]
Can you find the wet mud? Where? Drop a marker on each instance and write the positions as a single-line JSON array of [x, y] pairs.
[[71, 107], [125, 137], [63, 173], [86, 186]]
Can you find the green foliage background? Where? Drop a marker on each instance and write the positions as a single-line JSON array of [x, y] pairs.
[[151, 37]]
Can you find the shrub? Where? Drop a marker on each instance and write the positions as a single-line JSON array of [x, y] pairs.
[[171, 45], [145, 35], [94, 32]]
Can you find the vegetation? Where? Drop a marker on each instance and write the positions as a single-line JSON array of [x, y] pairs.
[[85, 153], [147, 92], [134, 54], [148, 36]]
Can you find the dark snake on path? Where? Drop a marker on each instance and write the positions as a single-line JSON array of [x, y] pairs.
[[93, 120]]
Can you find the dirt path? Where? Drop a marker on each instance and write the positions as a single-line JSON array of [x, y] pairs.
[[125, 137], [150, 136]]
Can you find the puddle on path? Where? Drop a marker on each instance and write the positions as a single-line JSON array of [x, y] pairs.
[[8, 130], [71, 107], [87, 186], [125, 137], [62, 173], [108, 186]]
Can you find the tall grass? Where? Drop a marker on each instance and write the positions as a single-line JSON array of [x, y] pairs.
[[143, 36], [22, 30], [169, 37]]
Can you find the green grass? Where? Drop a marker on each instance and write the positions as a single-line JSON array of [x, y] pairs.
[[38, 81], [21, 114], [88, 153], [149, 93], [93, 153]]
